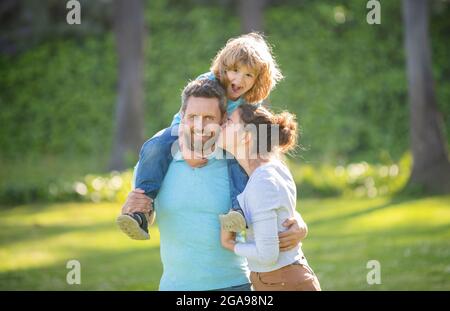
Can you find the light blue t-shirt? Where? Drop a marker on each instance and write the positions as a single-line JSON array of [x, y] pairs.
[[187, 208], [232, 105]]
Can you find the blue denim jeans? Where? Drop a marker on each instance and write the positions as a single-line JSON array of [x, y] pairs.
[[156, 155]]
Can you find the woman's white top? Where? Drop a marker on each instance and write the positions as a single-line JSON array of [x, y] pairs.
[[267, 201]]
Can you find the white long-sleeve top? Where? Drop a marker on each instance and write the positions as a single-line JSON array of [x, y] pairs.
[[267, 201]]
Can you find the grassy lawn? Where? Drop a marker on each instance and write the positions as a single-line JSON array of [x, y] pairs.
[[410, 239]]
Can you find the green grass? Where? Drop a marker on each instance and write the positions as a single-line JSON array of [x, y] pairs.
[[410, 239]]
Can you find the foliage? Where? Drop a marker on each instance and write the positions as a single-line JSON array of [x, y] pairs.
[[345, 79]]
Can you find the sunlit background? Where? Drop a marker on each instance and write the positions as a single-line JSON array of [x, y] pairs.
[[70, 134]]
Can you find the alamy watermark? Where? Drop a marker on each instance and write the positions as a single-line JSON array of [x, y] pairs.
[[374, 275], [73, 17], [73, 277], [374, 15]]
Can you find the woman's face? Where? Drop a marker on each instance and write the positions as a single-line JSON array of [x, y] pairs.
[[231, 137]]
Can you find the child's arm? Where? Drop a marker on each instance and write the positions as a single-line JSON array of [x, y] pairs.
[[154, 160]]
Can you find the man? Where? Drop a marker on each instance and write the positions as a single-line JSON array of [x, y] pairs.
[[191, 199]]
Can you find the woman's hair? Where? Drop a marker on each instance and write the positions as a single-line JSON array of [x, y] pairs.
[[252, 50], [284, 125]]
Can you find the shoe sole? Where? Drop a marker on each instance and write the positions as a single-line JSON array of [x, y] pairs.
[[131, 228], [233, 222]]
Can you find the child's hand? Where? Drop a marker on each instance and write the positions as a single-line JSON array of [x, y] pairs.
[[294, 235], [228, 239], [137, 201]]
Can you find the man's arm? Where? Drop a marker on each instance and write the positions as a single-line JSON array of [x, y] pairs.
[[298, 230], [137, 201]]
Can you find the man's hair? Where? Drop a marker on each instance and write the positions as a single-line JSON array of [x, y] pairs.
[[204, 88]]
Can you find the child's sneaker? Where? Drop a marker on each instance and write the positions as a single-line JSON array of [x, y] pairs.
[[134, 225], [234, 221]]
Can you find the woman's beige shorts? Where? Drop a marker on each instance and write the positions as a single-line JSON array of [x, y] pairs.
[[294, 277]]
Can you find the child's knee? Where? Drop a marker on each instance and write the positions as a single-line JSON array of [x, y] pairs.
[[159, 146]]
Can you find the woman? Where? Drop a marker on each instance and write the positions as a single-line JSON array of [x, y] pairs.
[[256, 138]]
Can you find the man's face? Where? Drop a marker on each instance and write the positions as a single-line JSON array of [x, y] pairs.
[[201, 123]]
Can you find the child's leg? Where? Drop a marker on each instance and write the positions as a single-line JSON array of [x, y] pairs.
[[154, 160], [235, 221]]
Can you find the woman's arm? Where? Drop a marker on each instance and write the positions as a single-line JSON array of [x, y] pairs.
[[265, 248]]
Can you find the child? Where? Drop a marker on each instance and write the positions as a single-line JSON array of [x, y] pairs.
[[247, 70]]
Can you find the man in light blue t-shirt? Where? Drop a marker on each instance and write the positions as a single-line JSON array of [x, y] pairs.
[[191, 199]]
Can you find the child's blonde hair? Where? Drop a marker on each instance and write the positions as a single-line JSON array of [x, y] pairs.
[[252, 50]]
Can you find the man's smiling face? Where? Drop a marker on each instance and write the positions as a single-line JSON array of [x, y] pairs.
[[201, 123]]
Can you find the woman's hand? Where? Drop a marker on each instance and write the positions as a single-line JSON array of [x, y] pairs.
[[137, 201], [294, 235], [228, 239]]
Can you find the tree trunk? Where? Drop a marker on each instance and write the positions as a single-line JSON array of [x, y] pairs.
[[251, 13], [431, 167], [129, 31]]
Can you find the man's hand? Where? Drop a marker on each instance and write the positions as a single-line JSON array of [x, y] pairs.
[[294, 235], [137, 201], [228, 239]]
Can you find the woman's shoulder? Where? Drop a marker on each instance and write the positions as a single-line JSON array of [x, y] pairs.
[[265, 178], [273, 176]]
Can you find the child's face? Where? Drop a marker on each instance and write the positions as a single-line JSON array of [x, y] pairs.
[[241, 79]]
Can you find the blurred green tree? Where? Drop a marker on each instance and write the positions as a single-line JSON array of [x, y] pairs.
[[431, 168], [251, 13], [130, 32]]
